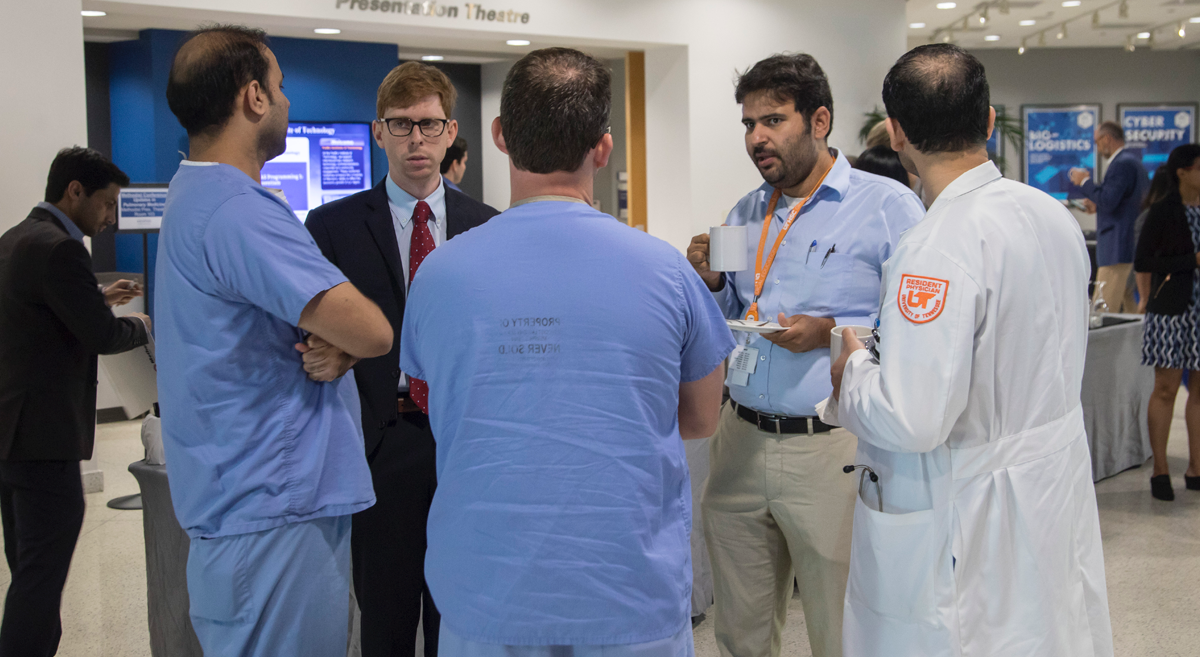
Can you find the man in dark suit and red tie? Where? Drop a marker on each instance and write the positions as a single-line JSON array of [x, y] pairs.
[[378, 239], [1118, 202], [54, 321]]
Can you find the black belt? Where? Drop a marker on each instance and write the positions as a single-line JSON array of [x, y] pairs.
[[781, 423]]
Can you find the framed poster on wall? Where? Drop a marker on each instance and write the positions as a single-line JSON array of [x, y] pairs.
[[1057, 139], [1156, 130]]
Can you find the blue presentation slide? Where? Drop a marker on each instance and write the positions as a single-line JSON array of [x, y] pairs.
[[1158, 130], [1058, 139], [323, 162]]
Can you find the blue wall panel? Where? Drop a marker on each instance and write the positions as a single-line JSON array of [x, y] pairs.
[[324, 80]]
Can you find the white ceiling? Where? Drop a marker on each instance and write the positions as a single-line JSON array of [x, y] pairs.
[[1084, 29], [124, 20]]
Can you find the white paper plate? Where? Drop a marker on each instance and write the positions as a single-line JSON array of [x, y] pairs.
[[754, 327]]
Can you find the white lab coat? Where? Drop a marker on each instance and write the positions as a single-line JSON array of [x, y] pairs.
[[988, 543]]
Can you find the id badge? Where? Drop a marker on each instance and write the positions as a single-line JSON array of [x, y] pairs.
[[742, 363]]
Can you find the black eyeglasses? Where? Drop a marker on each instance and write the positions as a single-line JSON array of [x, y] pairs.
[[404, 127]]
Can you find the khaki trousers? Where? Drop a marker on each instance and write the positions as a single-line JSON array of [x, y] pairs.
[[777, 505], [1117, 292]]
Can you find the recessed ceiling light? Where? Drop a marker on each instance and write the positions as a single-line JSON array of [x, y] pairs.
[[1194, 19], [916, 26], [1072, 3], [946, 5], [87, 13], [432, 58], [992, 37], [517, 42], [327, 30], [1027, 22], [1143, 35]]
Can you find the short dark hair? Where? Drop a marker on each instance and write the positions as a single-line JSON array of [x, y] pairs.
[[89, 167], [938, 93], [1112, 129], [454, 153], [211, 65], [798, 78], [554, 109], [882, 161]]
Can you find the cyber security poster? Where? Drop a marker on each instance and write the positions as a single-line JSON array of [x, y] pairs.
[[1058, 139], [322, 162], [1156, 130]]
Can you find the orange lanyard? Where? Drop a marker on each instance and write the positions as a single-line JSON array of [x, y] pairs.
[[760, 268]]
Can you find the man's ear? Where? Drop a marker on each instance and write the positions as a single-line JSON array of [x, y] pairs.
[[820, 123], [498, 136], [255, 100], [451, 131], [377, 128], [895, 133], [602, 151], [991, 121]]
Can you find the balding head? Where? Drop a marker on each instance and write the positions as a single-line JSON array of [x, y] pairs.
[[939, 96], [210, 68]]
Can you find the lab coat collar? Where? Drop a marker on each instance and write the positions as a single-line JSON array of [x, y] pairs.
[[967, 183]]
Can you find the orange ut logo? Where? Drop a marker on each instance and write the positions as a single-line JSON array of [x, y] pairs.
[[921, 299]]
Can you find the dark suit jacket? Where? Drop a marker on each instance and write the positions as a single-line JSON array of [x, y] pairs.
[[1118, 204], [1165, 249], [357, 235], [53, 323]]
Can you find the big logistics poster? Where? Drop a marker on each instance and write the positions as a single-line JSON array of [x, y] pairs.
[[323, 162], [1058, 139], [1157, 130]]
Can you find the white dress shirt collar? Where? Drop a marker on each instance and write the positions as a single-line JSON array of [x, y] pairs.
[[403, 204]]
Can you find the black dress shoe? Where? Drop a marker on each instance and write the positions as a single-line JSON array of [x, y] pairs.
[[1160, 488], [1193, 483]]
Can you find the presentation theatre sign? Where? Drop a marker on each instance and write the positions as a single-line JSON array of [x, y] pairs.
[[471, 11]]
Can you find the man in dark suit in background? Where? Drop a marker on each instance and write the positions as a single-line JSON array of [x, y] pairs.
[[1118, 202], [378, 239], [54, 320]]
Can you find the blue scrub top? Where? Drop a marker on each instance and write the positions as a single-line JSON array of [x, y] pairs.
[[554, 340], [251, 442]]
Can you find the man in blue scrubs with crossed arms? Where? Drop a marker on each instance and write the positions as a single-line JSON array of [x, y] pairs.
[[265, 462], [566, 354]]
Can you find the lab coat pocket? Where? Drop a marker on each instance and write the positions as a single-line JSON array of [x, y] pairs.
[[893, 563], [218, 582]]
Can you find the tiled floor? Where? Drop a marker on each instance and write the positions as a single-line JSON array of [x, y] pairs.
[[1151, 548]]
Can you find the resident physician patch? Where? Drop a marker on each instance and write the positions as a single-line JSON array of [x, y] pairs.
[[921, 298]]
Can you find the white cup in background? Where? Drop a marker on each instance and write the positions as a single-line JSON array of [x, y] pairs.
[[835, 339], [727, 249]]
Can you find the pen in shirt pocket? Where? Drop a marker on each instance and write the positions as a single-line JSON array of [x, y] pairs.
[[831, 250], [810, 251]]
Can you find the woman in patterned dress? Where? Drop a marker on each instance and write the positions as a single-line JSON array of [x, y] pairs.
[[1169, 249]]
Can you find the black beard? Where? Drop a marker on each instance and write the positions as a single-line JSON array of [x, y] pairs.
[[797, 159]]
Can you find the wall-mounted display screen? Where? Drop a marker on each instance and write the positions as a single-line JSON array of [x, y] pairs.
[[1058, 139], [323, 162], [1156, 130], [140, 208]]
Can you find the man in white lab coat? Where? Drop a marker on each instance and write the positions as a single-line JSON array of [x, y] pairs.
[[988, 539]]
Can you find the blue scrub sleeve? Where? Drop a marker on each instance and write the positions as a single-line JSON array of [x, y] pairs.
[[259, 252], [414, 312], [707, 339]]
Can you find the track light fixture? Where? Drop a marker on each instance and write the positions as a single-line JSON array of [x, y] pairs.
[[1095, 19], [1004, 7], [1123, 9], [1062, 31], [983, 17], [1129, 47], [1042, 38], [1182, 29], [1021, 50]]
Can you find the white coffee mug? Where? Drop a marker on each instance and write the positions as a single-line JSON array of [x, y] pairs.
[[727, 249], [835, 339]]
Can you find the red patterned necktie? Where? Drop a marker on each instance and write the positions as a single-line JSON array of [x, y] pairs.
[[419, 246]]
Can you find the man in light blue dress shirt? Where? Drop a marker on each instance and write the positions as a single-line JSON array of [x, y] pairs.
[[777, 501]]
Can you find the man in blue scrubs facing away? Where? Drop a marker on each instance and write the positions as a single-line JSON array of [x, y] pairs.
[[265, 462], [566, 355]]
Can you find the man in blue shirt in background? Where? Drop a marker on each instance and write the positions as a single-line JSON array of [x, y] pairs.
[[777, 501], [566, 355], [265, 461], [1118, 202]]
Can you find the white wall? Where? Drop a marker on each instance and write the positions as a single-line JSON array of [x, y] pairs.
[[43, 104], [697, 167]]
